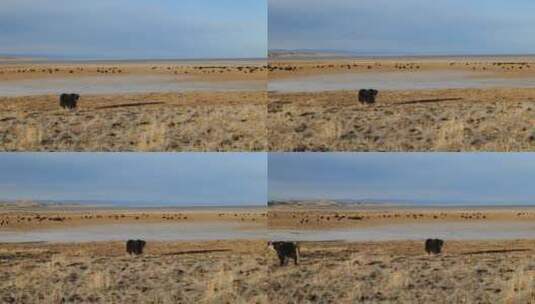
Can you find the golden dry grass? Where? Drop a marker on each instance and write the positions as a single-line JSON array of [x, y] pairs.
[[248, 272], [215, 121], [195, 121], [427, 120], [210, 272], [399, 272]]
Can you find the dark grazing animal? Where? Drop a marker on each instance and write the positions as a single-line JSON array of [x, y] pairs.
[[367, 96], [69, 101], [433, 246], [135, 247], [285, 250]]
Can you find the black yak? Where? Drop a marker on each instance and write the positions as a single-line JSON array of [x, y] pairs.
[[367, 96], [433, 246], [135, 247], [69, 101], [286, 250]]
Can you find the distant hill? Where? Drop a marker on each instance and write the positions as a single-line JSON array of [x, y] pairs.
[[304, 54], [338, 203], [327, 53], [380, 203], [16, 58], [32, 204]]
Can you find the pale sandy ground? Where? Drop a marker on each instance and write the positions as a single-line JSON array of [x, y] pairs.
[[491, 119], [248, 272], [159, 121]]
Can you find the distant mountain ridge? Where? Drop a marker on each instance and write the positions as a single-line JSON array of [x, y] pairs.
[[336, 202], [306, 53], [28, 203], [347, 203], [329, 53]]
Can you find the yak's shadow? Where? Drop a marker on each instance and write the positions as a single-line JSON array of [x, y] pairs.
[[428, 100], [126, 105], [197, 251], [496, 251]]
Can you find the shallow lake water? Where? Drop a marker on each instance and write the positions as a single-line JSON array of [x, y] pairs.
[[396, 81], [416, 231], [121, 84], [231, 230], [148, 231]]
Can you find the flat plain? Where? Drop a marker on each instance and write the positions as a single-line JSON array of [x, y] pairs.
[[102, 272], [382, 259], [424, 104], [125, 106], [244, 270], [400, 272], [23, 217], [328, 214]]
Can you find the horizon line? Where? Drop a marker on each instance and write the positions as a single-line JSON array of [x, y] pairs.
[[120, 202], [398, 202], [52, 58], [357, 53]]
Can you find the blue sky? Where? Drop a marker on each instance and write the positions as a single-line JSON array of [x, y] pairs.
[[450, 178], [133, 29], [141, 178], [404, 27]]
